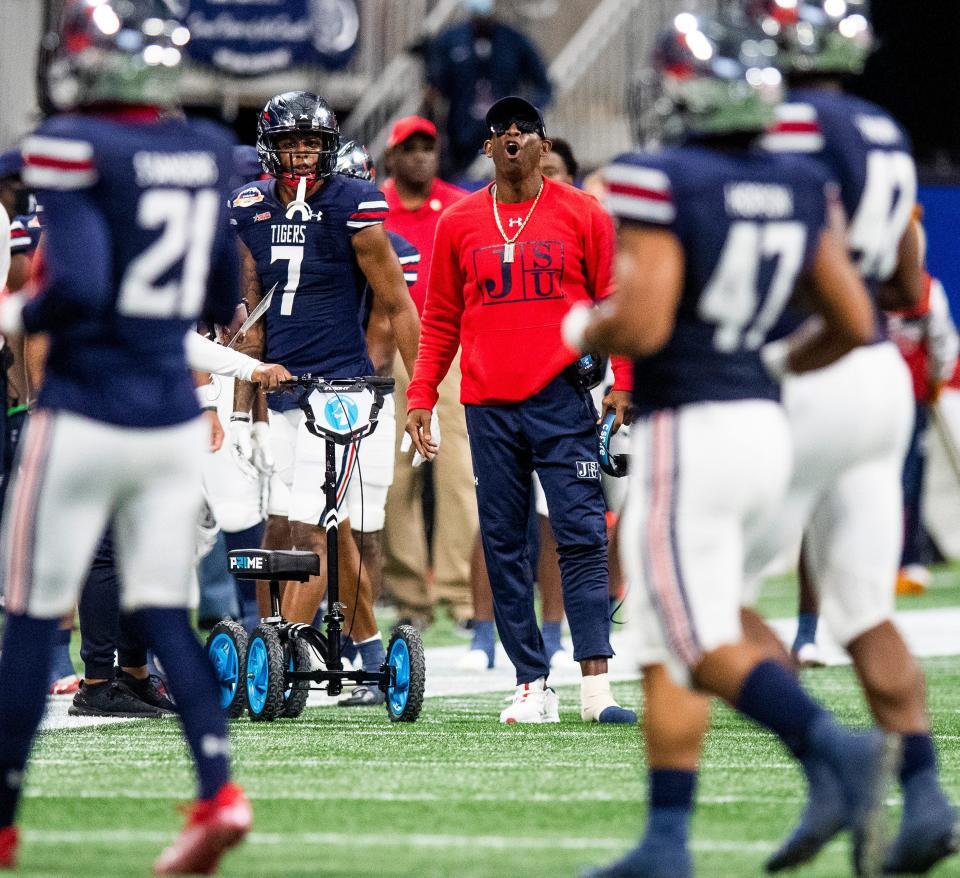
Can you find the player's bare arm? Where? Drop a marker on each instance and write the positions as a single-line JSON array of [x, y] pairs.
[[382, 268], [638, 318], [904, 288], [253, 342], [380, 343]]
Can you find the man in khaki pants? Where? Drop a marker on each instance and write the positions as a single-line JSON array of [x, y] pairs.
[[416, 199]]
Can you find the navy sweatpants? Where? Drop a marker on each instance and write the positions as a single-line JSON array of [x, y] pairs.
[[554, 433]]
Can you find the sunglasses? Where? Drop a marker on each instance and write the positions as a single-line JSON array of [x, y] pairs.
[[524, 126]]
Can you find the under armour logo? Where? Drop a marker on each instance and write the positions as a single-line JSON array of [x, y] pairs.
[[516, 221]]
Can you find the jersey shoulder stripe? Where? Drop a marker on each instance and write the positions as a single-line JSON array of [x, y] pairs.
[[797, 129], [639, 193], [58, 163], [19, 237]]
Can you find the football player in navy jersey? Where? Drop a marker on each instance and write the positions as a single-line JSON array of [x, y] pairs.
[[313, 235], [137, 248], [851, 423], [367, 494], [714, 237]]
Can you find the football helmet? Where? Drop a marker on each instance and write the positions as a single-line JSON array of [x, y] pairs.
[[303, 113], [354, 160], [114, 51], [831, 37], [716, 76]]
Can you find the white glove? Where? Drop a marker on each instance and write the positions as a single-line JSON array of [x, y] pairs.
[[575, 325], [262, 457], [240, 437], [406, 442]]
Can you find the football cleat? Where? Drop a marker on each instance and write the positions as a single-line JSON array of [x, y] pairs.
[[913, 580], [213, 827], [807, 655], [929, 831], [9, 842], [475, 660], [652, 858]]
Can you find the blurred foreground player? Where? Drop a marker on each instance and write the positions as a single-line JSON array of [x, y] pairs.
[[714, 236], [137, 248]]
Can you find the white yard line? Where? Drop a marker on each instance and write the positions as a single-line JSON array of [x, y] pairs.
[[416, 840], [928, 633]]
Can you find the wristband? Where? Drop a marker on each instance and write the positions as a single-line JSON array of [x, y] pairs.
[[775, 357], [202, 396], [242, 417]]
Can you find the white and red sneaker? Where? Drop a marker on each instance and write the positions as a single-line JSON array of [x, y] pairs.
[[213, 827], [68, 685], [9, 841], [532, 703]]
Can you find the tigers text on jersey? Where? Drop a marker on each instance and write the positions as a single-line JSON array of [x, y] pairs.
[[313, 324], [868, 154], [137, 249], [749, 223]]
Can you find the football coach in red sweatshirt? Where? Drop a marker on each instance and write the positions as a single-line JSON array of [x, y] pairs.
[[508, 263]]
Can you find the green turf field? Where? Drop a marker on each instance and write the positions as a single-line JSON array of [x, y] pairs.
[[346, 793]]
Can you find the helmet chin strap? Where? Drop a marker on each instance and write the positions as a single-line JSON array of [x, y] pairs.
[[299, 204]]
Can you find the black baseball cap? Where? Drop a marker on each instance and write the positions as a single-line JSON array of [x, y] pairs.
[[513, 108]]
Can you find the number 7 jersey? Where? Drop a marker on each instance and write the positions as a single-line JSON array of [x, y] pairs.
[[749, 224], [313, 325]]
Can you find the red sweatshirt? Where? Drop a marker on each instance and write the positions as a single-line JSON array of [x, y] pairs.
[[507, 315]]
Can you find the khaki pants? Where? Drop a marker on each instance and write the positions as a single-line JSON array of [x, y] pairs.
[[455, 515]]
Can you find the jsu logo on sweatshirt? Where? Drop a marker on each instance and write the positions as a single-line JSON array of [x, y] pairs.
[[536, 273]]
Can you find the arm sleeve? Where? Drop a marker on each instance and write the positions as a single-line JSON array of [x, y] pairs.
[[370, 209], [942, 339], [600, 255], [409, 258], [640, 192], [78, 283], [204, 355], [440, 322]]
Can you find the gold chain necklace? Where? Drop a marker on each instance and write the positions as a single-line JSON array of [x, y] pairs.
[[508, 243]]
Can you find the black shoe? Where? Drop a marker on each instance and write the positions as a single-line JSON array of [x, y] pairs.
[[364, 696], [151, 690], [112, 699]]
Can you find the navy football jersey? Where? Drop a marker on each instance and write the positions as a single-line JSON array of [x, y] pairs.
[[313, 324], [25, 231], [868, 154], [137, 248], [749, 224]]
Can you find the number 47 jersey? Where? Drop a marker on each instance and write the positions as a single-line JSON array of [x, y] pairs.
[[749, 224], [137, 248]]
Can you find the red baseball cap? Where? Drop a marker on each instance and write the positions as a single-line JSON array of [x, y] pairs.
[[407, 127]]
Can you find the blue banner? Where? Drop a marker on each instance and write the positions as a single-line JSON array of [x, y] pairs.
[[251, 37], [941, 220]]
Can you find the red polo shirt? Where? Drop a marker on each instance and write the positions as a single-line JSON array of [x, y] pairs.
[[507, 315], [419, 226]]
